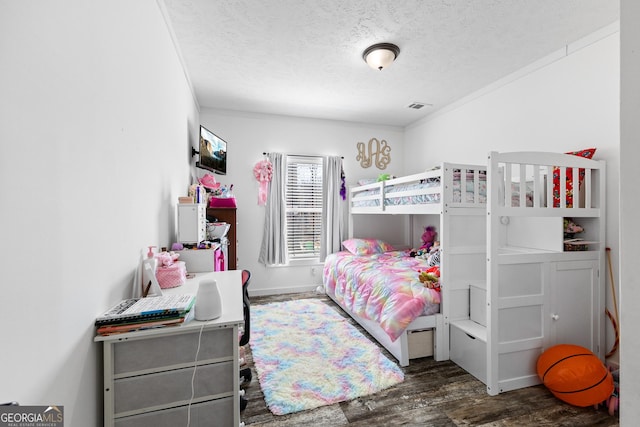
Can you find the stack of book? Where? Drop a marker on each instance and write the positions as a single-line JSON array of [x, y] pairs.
[[146, 313]]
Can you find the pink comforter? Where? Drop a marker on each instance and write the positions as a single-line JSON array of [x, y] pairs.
[[380, 287]]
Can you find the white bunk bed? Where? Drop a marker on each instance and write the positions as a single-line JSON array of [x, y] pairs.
[[538, 294], [456, 193]]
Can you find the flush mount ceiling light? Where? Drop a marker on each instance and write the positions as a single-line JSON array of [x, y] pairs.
[[380, 55]]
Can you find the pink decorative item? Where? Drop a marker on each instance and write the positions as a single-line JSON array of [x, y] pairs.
[[172, 276], [263, 171], [222, 202], [166, 259], [209, 181], [218, 261], [170, 272]]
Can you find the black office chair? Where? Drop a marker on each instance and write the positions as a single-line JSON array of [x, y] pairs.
[[246, 277], [245, 374]]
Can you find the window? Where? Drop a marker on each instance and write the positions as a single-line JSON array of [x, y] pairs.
[[303, 207], [304, 215]]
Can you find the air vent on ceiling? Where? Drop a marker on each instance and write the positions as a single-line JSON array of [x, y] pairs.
[[418, 105]]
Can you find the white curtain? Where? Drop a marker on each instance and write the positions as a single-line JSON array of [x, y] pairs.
[[274, 246], [333, 225]]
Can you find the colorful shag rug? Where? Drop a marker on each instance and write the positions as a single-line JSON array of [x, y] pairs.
[[307, 355]]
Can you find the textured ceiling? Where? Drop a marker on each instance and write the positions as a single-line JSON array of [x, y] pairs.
[[304, 57]]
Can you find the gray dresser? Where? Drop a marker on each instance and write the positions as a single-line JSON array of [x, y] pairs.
[[149, 375]]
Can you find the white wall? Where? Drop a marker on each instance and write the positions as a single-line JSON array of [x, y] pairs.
[[629, 207], [96, 124], [571, 103], [562, 103], [95, 119], [248, 136]]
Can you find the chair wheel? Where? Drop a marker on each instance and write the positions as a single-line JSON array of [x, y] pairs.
[[245, 375]]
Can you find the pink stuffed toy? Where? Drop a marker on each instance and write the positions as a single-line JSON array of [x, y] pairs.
[[166, 259], [428, 238]]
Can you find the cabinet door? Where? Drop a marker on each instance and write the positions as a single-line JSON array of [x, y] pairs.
[[574, 304]]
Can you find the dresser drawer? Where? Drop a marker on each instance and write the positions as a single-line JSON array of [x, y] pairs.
[[215, 413], [170, 350], [170, 388]]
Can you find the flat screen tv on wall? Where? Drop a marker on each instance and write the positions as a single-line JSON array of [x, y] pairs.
[[213, 152]]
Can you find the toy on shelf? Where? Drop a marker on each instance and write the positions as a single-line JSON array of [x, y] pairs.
[[571, 228], [571, 242]]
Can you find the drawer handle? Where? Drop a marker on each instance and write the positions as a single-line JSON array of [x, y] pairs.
[[555, 316], [470, 336]]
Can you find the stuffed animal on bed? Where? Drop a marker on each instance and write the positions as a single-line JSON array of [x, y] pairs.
[[428, 238], [430, 278], [433, 258]]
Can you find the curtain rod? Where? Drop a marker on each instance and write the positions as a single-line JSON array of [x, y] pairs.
[[264, 153]]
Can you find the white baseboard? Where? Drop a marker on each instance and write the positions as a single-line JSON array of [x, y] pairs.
[[280, 291]]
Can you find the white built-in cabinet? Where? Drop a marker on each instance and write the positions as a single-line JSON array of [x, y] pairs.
[[573, 303], [536, 294]]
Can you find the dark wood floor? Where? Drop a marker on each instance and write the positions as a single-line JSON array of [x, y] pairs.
[[432, 394]]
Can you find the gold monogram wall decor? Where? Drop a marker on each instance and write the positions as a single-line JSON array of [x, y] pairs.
[[378, 153]]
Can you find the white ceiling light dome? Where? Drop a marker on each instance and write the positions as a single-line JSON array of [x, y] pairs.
[[380, 55]]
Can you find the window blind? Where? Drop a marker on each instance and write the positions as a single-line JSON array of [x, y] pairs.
[[303, 201]]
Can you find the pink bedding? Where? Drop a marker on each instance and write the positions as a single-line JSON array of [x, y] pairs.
[[381, 287]]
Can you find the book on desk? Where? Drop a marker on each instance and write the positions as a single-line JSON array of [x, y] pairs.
[[145, 313]]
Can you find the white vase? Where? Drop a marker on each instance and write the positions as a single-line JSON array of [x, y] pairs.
[[208, 303]]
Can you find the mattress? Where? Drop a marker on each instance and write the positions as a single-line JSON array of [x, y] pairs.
[[381, 287], [419, 199]]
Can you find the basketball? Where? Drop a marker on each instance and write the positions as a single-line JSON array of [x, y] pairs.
[[575, 375]]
